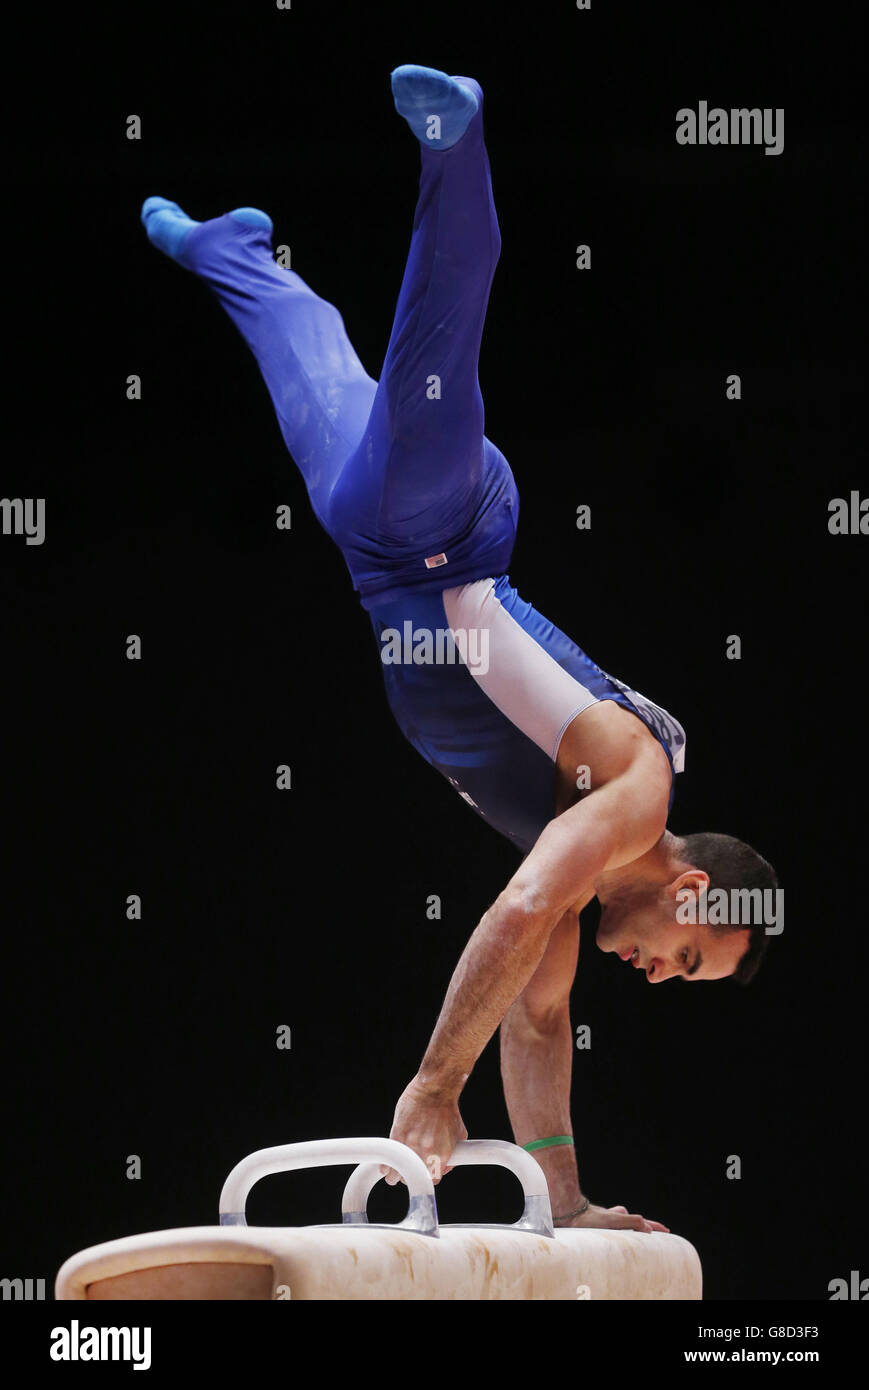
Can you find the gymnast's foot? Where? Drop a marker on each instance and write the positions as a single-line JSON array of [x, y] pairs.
[[437, 108], [168, 227]]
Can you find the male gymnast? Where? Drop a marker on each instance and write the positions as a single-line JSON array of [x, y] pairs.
[[574, 767]]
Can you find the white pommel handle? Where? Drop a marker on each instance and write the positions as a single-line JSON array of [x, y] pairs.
[[318, 1153], [536, 1217], [505, 1155]]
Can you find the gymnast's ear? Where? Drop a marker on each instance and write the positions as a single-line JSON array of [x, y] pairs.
[[694, 882]]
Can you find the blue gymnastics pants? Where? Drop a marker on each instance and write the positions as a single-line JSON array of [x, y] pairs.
[[399, 472]]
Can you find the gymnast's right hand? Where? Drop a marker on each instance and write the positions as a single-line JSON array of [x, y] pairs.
[[430, 1124], [612, 1219]]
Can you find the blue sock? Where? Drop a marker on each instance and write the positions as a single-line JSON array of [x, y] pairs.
[[423, 93], [168, 226]]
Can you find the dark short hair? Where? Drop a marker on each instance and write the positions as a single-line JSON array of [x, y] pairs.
[[730, 863]]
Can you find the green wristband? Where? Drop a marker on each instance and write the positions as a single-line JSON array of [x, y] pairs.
[[549, 1143]]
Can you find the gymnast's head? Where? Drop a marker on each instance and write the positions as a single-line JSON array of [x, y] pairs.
[[696, 907]]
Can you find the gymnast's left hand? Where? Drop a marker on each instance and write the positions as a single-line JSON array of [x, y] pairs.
[[430, 1124]]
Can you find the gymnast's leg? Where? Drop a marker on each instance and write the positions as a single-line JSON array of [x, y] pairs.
[[397, 471], [318, 386], [427, 419]]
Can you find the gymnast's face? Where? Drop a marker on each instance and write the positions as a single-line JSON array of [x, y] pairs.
[[642, 930]]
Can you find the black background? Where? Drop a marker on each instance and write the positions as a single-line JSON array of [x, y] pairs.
[[709, 518]]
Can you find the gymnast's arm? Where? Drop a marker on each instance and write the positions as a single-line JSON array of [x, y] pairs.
[[537, 1061], [536, 1065], [612, 826]]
